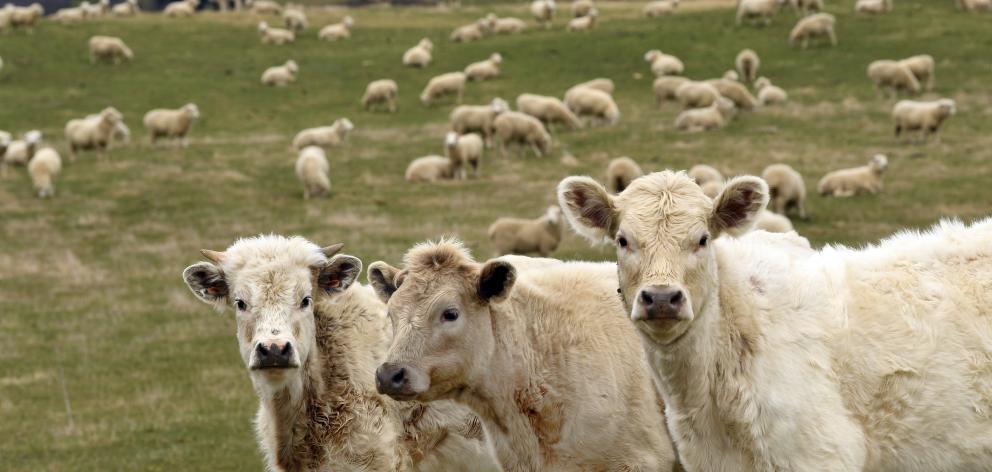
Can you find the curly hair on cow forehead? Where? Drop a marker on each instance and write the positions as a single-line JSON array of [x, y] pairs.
[[666, 192], [437, 255]]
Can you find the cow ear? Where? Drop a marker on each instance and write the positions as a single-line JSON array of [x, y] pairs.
[[339, 273], [588, 207], [207, 282], [385, 279], [736, 208], [496, 279]]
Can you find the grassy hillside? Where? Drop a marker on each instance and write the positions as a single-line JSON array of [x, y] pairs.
[[92, 307]]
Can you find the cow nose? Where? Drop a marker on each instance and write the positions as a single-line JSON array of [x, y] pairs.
[[392, 379], [275, 354], [662, 302]]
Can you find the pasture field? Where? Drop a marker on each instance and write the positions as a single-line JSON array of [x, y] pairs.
[[94, 315]]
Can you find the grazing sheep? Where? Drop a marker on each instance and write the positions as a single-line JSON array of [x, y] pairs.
[[855, 181], [467, 33], [892, 76], [873, 7], [773, 222], [381, 91], [336, 31], [549, 110], [44, 169], [601, 84], [466, 149], [787, 189], [692, 94], [584, 23], [748, 63], [477, 118], [660, 8], [710, 118], [181, 9], [925, 117], [430, 169], [539, 236], [508, 25], [168, 123], [512, 127], [923, 68], [663, 64], [735, 92], [264, 7], [620, 173], [703, 174], [324, 136], [126, 8], [665, 88], [769, 94], [109, 48], [593, 103], [312, 169], [24, 17], [582, 8], [294, 18], [277, 36], [484, 70], [757, 10], [816, 25], [20, 152], [281, 76], [92, 133], [419, 55], [451, 83], [543, 11]]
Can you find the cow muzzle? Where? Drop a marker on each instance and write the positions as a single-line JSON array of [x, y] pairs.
[[660, 303], [400, 381], [274, 354]]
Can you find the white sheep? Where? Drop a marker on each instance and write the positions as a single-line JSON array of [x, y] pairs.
[[126, 8], [854, 181], [925, 117], [710, 118], [381, 91], [543, 11], [660, 8], [664, 64], [507, 25], [67, 16], [549, 110], [181, 9], [704, 174], [312, 169], [477, 118], [467, 149], [451, 83], [467, 33], [168, 123], [109, 48], [665, 88], [121, 132], [324, 136], [748, 63], [512, 127], [692, 94], [294, 18], [19, 152], [432, 168], [620, 172], [419, 55], [484, 70], [975, 5], [264, 7], [923, 68], [892, 76], [873, 7], [95, 132], [594, 103], [44, 168], [539, 236], [769, 94], [735, 92], [95, 10], [815, 25], [583, 23], [281, 76], [601, 84], [772, 222], [24, 17], [787, 189], [582, 8], [336, 31], [276, 36], [757, 9]]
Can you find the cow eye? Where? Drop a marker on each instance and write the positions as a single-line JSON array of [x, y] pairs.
[[240, 305], [450, 314], [703, 240], [307, 301], [622, 242]]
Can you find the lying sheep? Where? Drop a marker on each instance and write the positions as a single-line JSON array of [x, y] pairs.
[[508, 25], [925, 117], [277, 36], [663, 64], [692, 94], [484, 70], [594, 103], [126, 8], [44, 168], [168, 123], [92, 133], [467, 33], [281, 76], [769, 94], [312, 169], [873, 7], [747, 63], [419, 55], [466, 149], [543, 11], [660, 8], [665, 88], [620, 173], [601, 84], [512, 127], [549, 110], [20, 152], [735, 92], [816, 25], [294, 18], [477, 118], [381, 91], [710, 118], [452, 83], [432, 168], [923, 68], [336, 31], [181, 9], [704, 174], [893, 77], [540, 236], [324, 136], [787, 189], [583, 23], [762, 10], [264, 7], [772, 222], [582, 8], [855, 181], [109, 48]]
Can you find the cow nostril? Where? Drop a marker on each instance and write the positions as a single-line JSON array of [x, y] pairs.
[[286, 349], [399, 378], [676, 298], [262, 350], [646, 297]]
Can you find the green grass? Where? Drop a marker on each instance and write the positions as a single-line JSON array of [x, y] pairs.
[[89, 282]]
